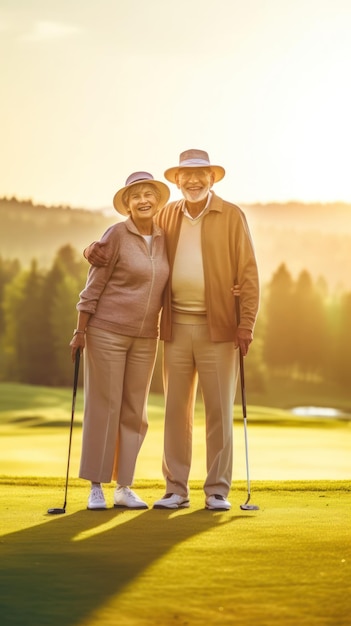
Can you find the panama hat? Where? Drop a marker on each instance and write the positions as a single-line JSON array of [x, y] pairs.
[[135, 179], [194, 158]]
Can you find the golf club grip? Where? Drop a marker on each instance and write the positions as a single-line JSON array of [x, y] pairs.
[[76, 370]]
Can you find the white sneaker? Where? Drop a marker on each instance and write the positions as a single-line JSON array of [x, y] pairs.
[[96, 499], [172, 501], [217, 503], [124, 497]]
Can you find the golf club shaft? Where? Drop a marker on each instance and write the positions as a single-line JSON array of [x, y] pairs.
[[243, 401], [75, 386]]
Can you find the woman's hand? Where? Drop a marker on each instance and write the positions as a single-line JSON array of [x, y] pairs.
[[235, 290], [77, 343]]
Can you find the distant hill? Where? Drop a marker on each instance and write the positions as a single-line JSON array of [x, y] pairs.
[[30, 231], [316, 237], [325, 218]]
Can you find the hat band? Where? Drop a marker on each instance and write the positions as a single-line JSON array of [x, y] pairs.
[[194, 163], [139, 180]]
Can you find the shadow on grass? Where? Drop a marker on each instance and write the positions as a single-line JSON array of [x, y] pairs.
[[61, 571]]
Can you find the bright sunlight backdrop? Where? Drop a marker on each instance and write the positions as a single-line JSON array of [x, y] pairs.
[[92, 90]]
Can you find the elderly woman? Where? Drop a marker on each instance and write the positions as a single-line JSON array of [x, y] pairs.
[[118, 314]]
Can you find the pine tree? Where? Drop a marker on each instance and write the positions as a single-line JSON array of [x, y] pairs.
[[278, 339], [343, 343], [24, 339], [310, 327]]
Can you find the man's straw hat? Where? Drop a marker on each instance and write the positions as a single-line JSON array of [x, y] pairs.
[[192, 159]]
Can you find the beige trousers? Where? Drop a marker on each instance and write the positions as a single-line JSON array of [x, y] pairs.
[[189, 356], [117, 377]]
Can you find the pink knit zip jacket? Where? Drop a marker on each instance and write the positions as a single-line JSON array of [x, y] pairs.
[[228, 255], [125, 297]]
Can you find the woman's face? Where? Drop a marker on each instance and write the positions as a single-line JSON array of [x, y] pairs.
[[142, 203]]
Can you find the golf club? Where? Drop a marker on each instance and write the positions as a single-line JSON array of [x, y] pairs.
[[246, 506], [58, 511]]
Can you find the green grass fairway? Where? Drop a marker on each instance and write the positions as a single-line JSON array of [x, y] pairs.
[[34, 431], [287, 564]]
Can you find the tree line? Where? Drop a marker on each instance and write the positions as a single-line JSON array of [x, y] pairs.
[[302, 330]]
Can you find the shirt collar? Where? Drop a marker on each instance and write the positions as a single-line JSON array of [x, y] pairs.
[[187, 214]]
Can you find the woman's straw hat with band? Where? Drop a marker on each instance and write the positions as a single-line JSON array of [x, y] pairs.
[[135, 179]]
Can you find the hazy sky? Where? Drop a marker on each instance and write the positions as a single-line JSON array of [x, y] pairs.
[[92, 90]]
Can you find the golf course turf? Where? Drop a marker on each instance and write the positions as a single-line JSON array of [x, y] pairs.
[[286, 564]]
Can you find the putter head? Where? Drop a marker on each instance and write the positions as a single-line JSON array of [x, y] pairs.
[[56, 511], [249, 507]]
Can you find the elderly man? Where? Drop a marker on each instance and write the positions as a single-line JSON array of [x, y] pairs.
[[209, 249]]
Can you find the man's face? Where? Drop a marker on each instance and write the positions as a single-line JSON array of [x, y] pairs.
[[194, 183]]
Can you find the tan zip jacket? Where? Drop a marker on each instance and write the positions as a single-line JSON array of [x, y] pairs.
[[125, 297], [228, 256]]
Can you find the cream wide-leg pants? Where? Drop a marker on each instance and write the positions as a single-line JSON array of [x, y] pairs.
[[117, 377], [189, 356]]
